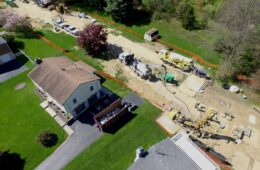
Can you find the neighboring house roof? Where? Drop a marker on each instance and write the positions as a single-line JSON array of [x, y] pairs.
[[170, 154], [4, 48], [60, 77]]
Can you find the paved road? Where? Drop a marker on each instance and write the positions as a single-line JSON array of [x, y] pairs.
[[84, 134]]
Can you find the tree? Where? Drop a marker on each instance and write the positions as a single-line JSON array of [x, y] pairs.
[[247, 62], [188, 18], [161, 9], [120, 10], [47, 139], [12, 42], [15, 23], [93, 39], [240, 20]]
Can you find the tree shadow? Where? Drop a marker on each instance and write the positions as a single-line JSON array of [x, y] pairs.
[[139, 17], [30, 35], [22, 59], [16, 46], [210, 150], [113, 51], [12, 161]]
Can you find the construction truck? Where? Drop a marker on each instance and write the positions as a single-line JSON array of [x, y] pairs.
[[176, 60], [126, 58], [145, 71], [141, 69]]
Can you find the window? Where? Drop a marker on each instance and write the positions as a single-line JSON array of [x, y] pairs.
[[91, 88], [74, 100]]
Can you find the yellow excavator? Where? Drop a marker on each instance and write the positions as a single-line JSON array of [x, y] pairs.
[[176, 115]]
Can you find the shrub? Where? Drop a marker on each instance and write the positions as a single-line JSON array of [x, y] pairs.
[[47, 139]]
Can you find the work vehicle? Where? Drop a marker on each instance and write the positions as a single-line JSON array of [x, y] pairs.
[[141, 69], [146, 71], [160, 71], [200, 72], [176, 60], [177, 116], [126, 58]]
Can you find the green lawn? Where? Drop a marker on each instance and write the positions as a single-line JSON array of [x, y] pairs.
[[22, 119], [117, 151], [38, 48]]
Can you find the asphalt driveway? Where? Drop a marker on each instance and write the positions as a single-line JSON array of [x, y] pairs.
[[85, 133]]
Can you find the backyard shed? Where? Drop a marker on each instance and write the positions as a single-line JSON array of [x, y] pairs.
[[151, 35]]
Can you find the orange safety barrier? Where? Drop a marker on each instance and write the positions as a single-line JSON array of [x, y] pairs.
[[120, 27]]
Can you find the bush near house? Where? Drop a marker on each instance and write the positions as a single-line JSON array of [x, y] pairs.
[[47, 139]]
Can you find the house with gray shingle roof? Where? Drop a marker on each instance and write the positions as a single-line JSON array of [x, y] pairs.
[[176, 153], [72, 86]]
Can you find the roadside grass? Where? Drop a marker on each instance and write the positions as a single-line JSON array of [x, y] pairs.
[[117, 151], [22, 119]]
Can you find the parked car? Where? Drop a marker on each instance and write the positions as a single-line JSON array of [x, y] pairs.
[[63, 25], [90, 18], [70, 28], [75, 32], [57, 22], [82, 15]]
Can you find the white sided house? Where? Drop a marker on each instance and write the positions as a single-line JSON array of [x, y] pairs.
[[6, 53], [72, 86]]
